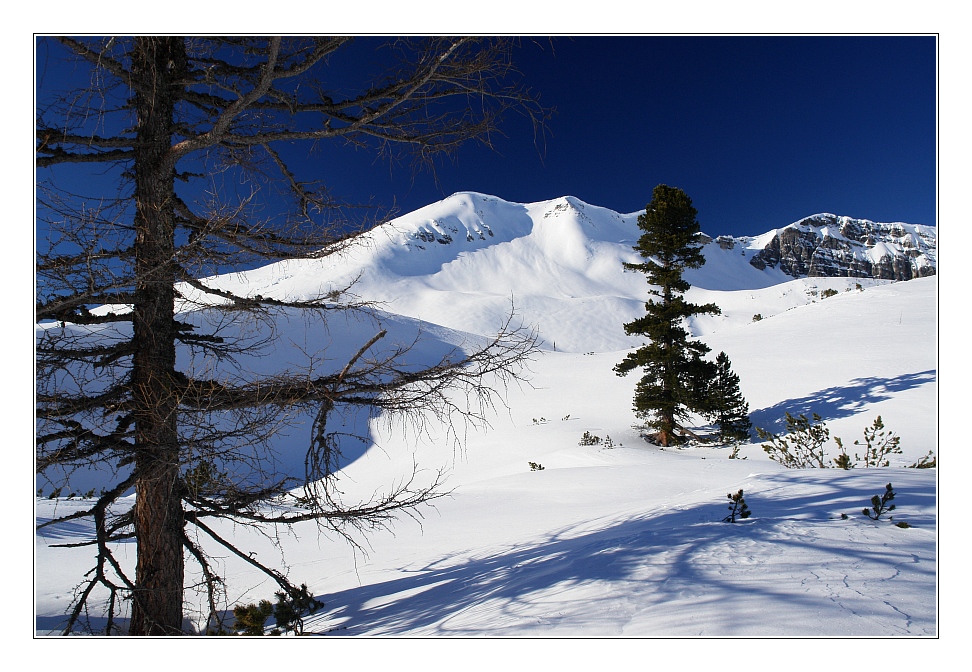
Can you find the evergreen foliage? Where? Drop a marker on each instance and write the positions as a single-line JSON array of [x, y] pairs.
[[802, 447], [588, 439], [737, 508], [879, 444], [671, 362], [289, 609], [929, 461], [724, 403], [842, 461], [880, 504], [251, 619]]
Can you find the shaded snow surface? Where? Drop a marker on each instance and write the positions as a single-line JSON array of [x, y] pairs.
[[623, 541]]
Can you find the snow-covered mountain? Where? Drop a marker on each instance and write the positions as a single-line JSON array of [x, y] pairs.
[[461, 263], [603, 541], [826, 245]]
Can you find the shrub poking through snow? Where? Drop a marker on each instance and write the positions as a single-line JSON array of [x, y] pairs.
[[801, 447], [737, 508], [588, 439], [251, 619], [290, 609], [757, 317], [880, 504], [534, 466], [828, 293], [842, 461], [926, 462], [734, 454], [879, 444]]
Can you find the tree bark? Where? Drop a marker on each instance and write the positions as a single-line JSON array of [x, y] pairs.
[[159, 518]]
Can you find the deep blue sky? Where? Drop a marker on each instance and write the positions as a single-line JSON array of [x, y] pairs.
[[759, 131]]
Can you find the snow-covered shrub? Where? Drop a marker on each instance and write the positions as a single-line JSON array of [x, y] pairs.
[[535, 466], [757, 317], [828, 293]]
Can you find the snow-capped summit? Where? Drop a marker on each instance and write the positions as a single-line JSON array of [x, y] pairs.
[[826, 245]]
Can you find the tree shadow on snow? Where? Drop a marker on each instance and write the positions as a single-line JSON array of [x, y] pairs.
[[839, 401], [671, 561]]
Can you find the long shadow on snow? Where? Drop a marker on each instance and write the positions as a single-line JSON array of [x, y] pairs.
[[674, 547], [840, 401]]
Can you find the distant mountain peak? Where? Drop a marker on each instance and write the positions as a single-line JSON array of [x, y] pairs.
[[828, 245]]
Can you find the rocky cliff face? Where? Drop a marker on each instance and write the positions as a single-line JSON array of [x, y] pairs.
[[826, 245]]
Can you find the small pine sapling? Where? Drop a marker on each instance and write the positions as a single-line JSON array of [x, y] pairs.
[[842, 461], [880, 504], [879, 444], [290, 609], [737, 508], [926, 462], [588, 439], [802, 447], [251, 619]]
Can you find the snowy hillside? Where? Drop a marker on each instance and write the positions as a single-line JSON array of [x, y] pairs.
[[603, 541]]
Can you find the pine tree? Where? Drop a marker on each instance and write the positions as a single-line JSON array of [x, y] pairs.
[[726, 405], [672, 363]]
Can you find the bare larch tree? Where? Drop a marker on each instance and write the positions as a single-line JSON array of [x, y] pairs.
[[131, 233]]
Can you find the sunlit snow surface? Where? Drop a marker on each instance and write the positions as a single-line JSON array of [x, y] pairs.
[[603, 541]]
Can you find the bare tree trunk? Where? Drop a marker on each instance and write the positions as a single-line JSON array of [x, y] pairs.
[[159, 518]]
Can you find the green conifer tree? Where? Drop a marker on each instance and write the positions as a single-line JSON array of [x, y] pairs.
[[725, 404], [671, 362]]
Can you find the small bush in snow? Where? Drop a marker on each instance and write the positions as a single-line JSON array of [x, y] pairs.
[[926, 462], [879, 444], [757, 317], [588, 439], [880, 504], [534, 466], [828, 293], [801, 447], [737, 508], [734, 454], [608, 443], [251, 619], [842, 461]]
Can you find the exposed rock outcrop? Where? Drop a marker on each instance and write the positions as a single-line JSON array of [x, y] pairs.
[[826, 245]]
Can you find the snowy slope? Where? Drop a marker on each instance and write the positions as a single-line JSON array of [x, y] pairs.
[[604, 541]]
